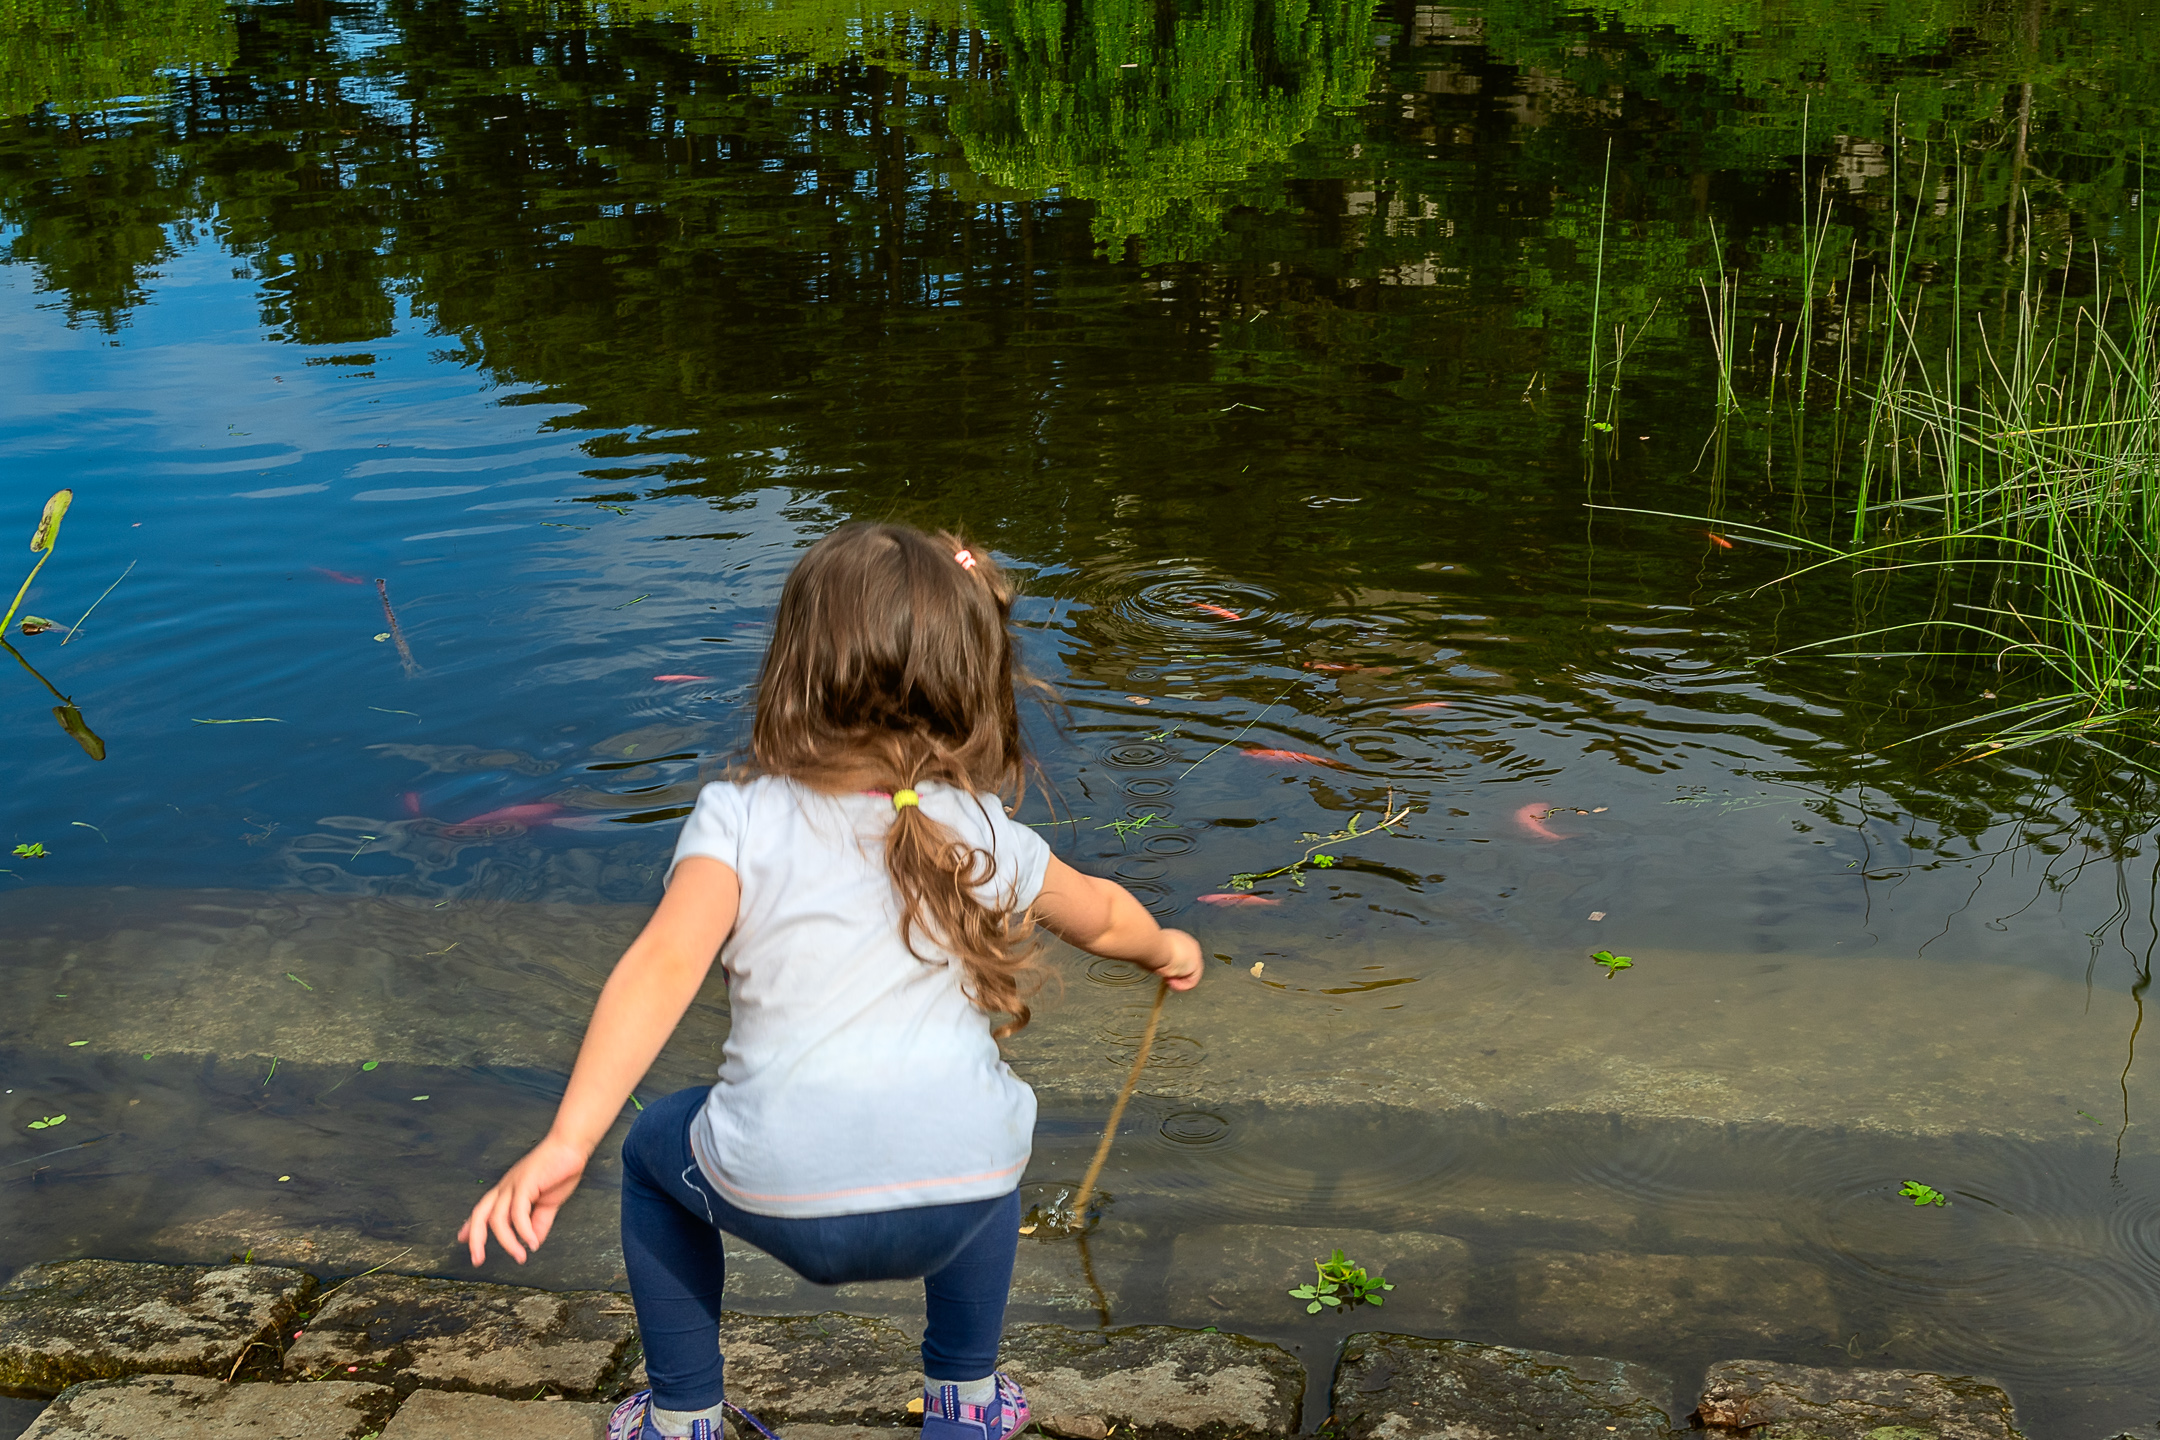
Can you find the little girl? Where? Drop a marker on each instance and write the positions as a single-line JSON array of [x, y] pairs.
[[872, 907]]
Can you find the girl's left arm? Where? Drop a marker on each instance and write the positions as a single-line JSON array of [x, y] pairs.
[[639, 1008]]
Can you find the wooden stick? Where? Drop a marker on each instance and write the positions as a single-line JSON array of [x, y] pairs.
[[1117, 1111]]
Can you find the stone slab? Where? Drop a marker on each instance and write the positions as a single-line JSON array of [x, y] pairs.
[[1241, 1275], [445, 1415], [1638, 1302], [101, 1319], [829, 1369], [1769, 1401], [1155, 1381], [503, 1340], [1053, 1278], [191, 1407], [1401, 1387]]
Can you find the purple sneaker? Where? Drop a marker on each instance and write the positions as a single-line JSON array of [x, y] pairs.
[[946, 1418], [632, 1420]]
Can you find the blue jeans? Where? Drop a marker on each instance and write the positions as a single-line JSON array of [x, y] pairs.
[[672, 1217]]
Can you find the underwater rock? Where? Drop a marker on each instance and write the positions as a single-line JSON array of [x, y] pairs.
[[464, 1335], [1155, 1381], [440, 1415], [1769, 1401], [1401, 1387], [1638, 1302], [1241, 1275], [190, 1407], [79, 1320]]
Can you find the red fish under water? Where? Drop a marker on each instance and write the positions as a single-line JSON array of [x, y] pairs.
[[1532, 818], [1349, 669], [676, 679], [1423, 705], [338, 575], [1294, 757], [1216, 610], [1718, 540], [1226, 897]]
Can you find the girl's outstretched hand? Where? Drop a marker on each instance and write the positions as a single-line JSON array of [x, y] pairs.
[[1177, 960], [521, 1208]]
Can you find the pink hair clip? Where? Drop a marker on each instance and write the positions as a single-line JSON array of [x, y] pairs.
[[966, 559]]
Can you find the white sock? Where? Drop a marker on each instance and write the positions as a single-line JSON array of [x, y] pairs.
[[678, 1422], [972, 1392]]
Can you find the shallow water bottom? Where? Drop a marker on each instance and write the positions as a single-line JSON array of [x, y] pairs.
[[1697, 1160]]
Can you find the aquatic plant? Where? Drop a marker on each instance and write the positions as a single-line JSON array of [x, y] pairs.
[[1295, 870], [2011, 459], [41, 545], [1921, 1194], [1337, 1283], [1124, 828], [33, 851], [1613, 964]]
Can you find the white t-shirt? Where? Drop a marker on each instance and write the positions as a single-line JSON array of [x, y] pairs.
[[856, 1077]]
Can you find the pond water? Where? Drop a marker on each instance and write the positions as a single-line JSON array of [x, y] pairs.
[[449, 389]]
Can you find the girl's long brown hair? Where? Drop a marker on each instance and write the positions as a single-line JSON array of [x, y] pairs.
[[892, 659]]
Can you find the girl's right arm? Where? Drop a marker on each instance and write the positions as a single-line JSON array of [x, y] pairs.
[[639, 1008], [1102, 917]]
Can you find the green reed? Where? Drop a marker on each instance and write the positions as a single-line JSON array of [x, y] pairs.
[[2019, 454]]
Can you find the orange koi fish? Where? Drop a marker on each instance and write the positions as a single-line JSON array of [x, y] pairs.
[[1340, 668], [1422, 705], [678, 679], [1718, 540], [1532, 818], [1216, 610], [1294, 757], [338, 575], [1227, 897]]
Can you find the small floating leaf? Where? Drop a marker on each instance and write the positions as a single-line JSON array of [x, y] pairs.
[[33, 851], [419, 1097], [1613, 964], [1921, 1194], [370, 1065], [48, 1122]]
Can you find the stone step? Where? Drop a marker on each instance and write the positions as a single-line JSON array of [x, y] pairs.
[[404, 1358], [1772, 1401], [191, 1407], [440, 1415], [502, 1340], [79, 1320], [1398, 1387]]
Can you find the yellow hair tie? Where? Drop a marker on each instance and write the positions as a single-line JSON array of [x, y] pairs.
[[901, 799]]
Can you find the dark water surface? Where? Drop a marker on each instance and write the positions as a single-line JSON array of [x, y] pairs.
[[1254, 336]]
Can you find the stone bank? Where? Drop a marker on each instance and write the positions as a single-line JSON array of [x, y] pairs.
[[258, 1352]]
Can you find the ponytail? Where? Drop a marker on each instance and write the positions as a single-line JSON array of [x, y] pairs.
[[940, 880]]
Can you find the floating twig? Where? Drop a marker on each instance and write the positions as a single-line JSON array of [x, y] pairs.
[[397, 633]]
